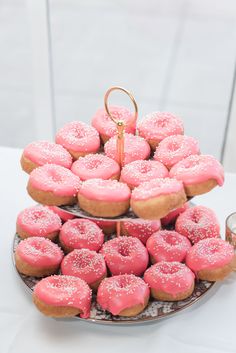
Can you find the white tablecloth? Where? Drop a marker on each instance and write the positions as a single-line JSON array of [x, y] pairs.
[[206, 327]]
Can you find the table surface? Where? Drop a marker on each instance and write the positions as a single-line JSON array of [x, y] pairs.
[[206, 327]]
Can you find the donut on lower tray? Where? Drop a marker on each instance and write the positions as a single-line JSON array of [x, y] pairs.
[[140, 228]]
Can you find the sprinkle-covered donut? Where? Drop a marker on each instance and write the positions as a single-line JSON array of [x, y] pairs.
[[96, 166], [43, 152], [137, 172], [170, 281], [199, 174], [106, 127], [53, 185], [85, 264], [156, 198], [38, 257], [135, 148], [38, 221], [140, 228], [65, 216], [212, 259], [78, 138], [108, 227], [172, 216], [124, 295], [159, 125], [125, 255], [104, 198], [198, 223], [167, 245], [173, 149], [63, 296], [80, 233]]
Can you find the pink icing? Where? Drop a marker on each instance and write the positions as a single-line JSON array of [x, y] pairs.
[[105, 223], [85, 264], [105, 190], [105, 126], [211, 253], [65, 291], [170, 277], [95, 166], [198, 223], [167, 245], [159, 125], [121, 292], [141, 229], [155, 188], [197, 169], [39, 252], [171, 217], [138, 172], [65, 216], [81, 233], [79, 137], [173, 149], [38, 221], [135, 148], [44, 152], [54, 178], [125, 255]]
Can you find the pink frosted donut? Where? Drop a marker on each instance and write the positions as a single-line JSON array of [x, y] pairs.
[[38, 221], [96, 166], [85, 264], [62, 296], [140, 229], [108, 227], [157, 126], [156, 198], [65, 216], [211, 259], [125, 295], [38, 257], [137, 172], [199, 173], [172, 216], [104, 198], [106, 127], [167, 245], [53, 185], [170, 281], [78, 138], [135, 148], [173, 149], [198, 223], [81, 233], [125, 255]]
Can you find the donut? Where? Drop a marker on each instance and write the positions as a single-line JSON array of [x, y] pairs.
[[107, 128], [38, 221], [156, 198], [170, 281], [78, 138], [85, 264], [167, 245], [108, 227], [65, 216], [53, 185], [96, 166], [211, 259], [137, 172], [140, 228], [135, 148], [173, 149], [172, 216], [124, 295], [39, 153], [80, 233], [199, 174], [125, 255], [104, 198], [197, 223], [38, 257], [158, 125], [62, 296]]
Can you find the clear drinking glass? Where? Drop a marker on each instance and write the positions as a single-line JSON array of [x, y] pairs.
[[230, 229]]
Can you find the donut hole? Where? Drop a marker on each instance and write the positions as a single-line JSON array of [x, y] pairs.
[[169, 269], [37, 216], [94, 164], [145, 168], [55, 176], [171, 239], [196, 217], [173, 146], [161, 122], [124, 250]]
